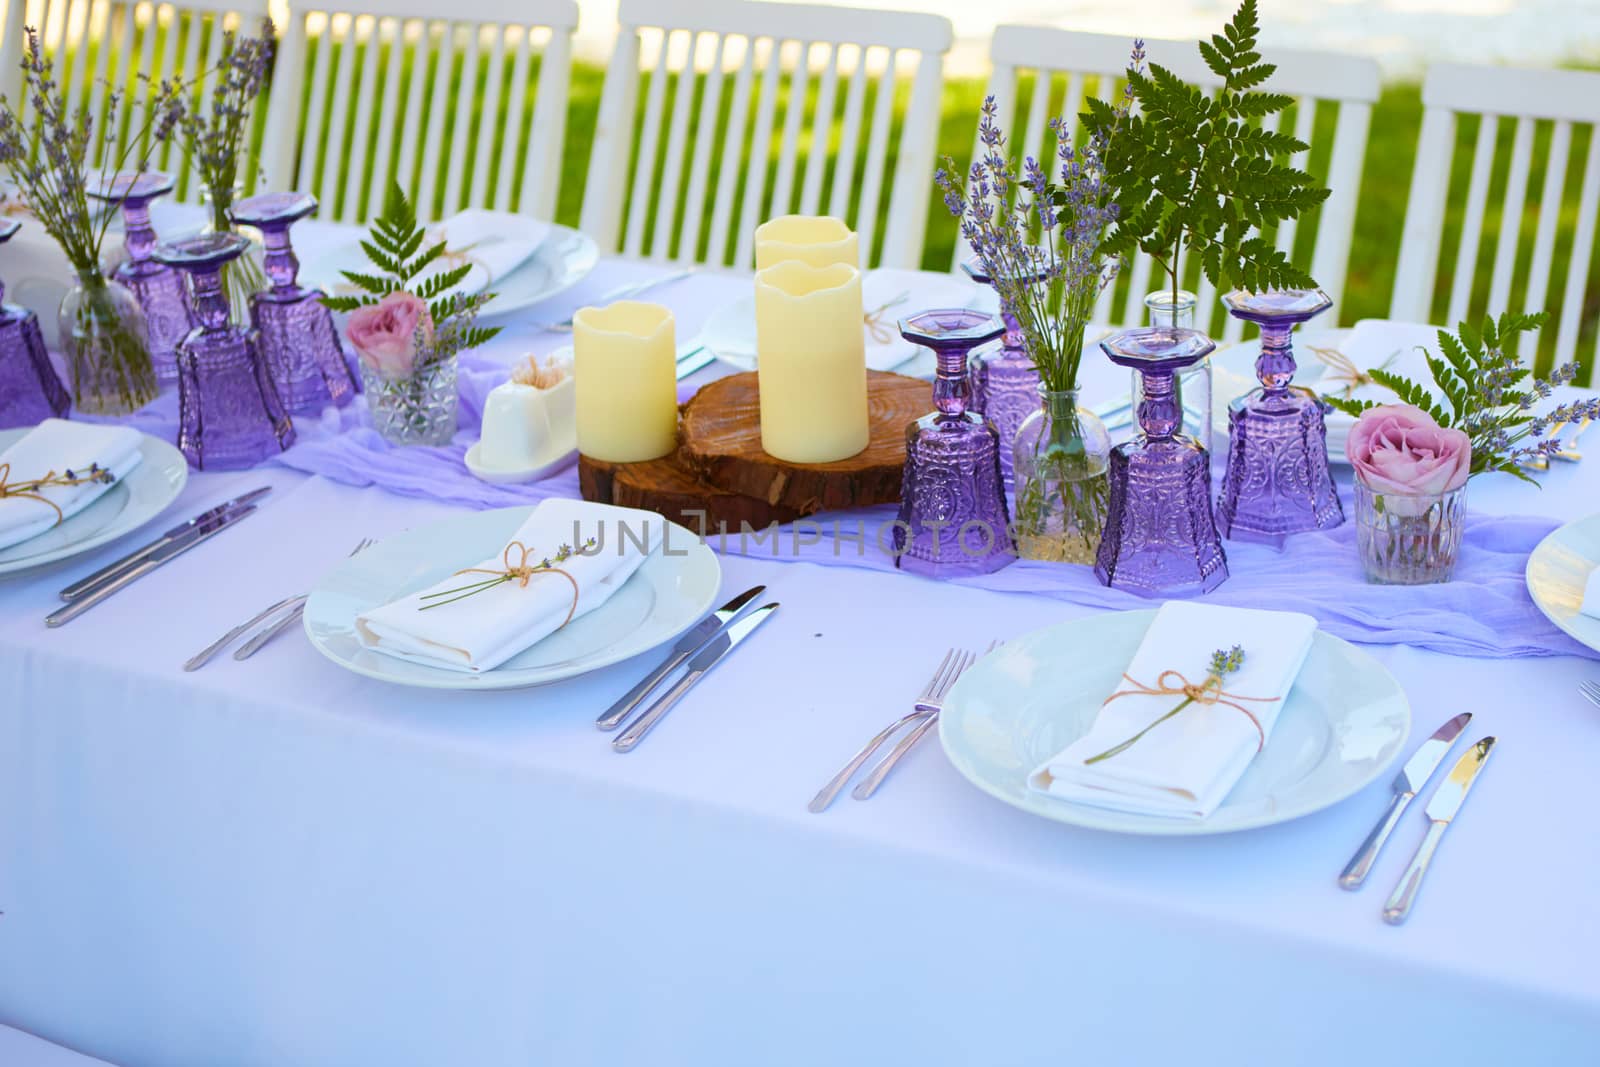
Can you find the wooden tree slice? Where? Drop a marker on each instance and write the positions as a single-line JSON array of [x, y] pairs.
[[669, 487], [721, 442]]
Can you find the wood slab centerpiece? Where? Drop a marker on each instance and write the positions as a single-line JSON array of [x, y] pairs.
[[721, 470]]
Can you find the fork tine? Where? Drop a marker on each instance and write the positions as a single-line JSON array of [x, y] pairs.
[[967, 659], [928, 690], [1591, 692]]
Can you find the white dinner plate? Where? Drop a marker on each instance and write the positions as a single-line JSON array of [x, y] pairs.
[[561, 261], [663, 598], [1558, 569], [1343, 725], [730, 332], [144, 493]]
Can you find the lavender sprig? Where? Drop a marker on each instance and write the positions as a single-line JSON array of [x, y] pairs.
[[214, 137]]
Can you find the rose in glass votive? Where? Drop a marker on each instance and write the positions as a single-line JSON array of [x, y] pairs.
[[812, 362], [624, 359], [819, 240]]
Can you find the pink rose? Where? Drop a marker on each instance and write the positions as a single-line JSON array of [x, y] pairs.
[[385, 334], [1398, 448]]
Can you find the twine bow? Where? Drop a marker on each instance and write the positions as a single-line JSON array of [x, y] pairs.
[[457, 257], [516, 568], [29, 489], [1173, 683], [876, 327], [1343, 369]]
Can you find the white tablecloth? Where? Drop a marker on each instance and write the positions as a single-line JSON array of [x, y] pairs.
[[277, 862]]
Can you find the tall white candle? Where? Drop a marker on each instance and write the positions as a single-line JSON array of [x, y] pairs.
[[624, 359], [812, 362], [820, 240]]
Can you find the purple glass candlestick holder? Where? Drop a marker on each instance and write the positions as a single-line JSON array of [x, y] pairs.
[[953, 518], [30, 389], [298, 339], [1005, 383], [1160, 538], [1277, 481], [160, 289], [229, 414]]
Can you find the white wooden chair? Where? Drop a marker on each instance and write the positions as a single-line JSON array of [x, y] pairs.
[[382, 106], [93, 43], [1538, 100], [717, 37], [1094, 64]]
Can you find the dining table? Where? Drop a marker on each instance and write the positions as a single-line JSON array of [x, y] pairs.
[[278, 861]]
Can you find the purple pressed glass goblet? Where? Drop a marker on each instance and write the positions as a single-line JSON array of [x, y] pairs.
[[229, 413], [298, 340], [30, 389], [160, 290], [953, 519], [1005, 383], [1277, 481], [1160, 537]]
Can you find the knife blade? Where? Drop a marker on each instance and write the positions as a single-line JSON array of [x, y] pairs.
[[709, 656], [690, 643], [106, 573], [171, 550], [1412, 777], [1441, 810]]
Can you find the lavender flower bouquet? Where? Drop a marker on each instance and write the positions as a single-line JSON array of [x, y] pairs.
[[48, 155], [1040, 241]]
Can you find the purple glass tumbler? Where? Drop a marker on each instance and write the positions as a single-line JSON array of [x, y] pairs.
[[1277, 481], [1160, 538], [1005, 383], [160, 289], [30, 389], [229, 413], [298, 339], [953, 519]]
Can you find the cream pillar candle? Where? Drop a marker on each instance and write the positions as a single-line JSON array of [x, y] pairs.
[[624, 359], [820, 240], [812, 362]]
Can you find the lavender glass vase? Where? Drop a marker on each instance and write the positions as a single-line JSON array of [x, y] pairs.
[[298, 340], [953, 519], [1277, 481], [30, 390], [1160, 537], [1175, 310], [229, 414], [1005, 383], [160, 290]]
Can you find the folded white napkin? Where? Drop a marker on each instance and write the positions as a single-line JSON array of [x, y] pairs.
[[1401, 347], [492, 243], [1186, 766], [484, 630], [57, 446]]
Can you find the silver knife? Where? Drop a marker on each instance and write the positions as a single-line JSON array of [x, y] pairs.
[[703, 661], [106, 573], [1442, 808], [170, 550], [687, 645], [1412, 777]]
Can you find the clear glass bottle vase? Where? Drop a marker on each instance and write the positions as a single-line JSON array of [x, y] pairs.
[[1176, 310], [103, 337], [244, 277], [1059, 459]]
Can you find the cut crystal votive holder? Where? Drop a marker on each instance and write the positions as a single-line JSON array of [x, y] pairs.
[[1277, 481], [298, 340], [1160, 537], [953, 518], [229, 413]]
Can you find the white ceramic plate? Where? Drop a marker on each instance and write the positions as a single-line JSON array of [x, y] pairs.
[[730, 332], [1558, 570], [146, 492], [665, 596], [549, 463], [561, 261], [1345, 722]]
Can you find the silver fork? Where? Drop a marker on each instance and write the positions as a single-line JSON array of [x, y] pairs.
[[1591, 692], [933, 706], [955, 661], [295, 606]]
